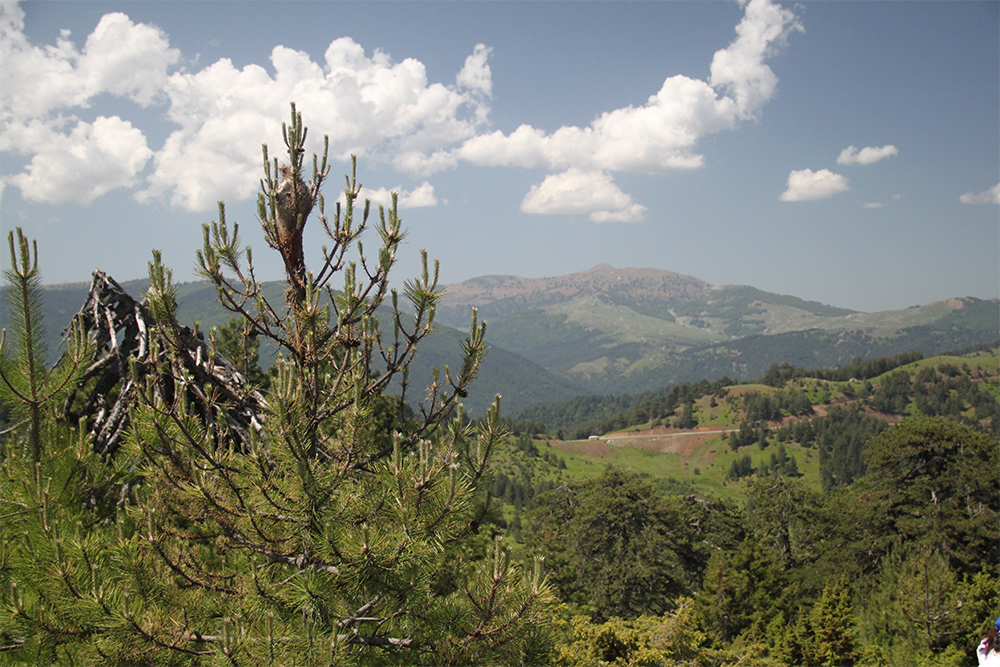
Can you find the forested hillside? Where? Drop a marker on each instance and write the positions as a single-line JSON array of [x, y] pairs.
[[819, 419], [626, 330], [782, 521], [798, 530]]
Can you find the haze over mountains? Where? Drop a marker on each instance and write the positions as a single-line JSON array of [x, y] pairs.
[[613, 331]]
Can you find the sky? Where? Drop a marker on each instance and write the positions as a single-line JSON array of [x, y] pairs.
[[838, 151]]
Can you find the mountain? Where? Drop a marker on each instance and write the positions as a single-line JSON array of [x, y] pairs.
[[521, 382], [617, 331], [629, 330]]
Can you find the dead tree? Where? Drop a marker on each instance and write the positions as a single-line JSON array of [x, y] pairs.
[[127, 342]]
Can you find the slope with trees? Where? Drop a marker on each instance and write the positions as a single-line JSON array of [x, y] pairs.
[[895, 568]]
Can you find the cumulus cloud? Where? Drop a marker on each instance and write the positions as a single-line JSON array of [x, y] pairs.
[[867, 155], [592, 193], [368, 104], [92, 159], [72, 160], [739, 69], [476, 74], [991, 196], [421, 196], [809, 185], [660, 136], [656, 137], [365, 104], [119, 57]]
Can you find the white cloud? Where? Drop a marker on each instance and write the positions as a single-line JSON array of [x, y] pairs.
[[11, 15], [368, 105], [476, 74], [421, 196], [739, 68], [72, 160], [809, 185], [662, 134], [583, 192], [119, 57], [872, 204], [656, 137], [867, 155], [991, 196], [84, 164]]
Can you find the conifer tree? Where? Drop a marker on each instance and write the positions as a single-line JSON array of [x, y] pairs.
[[25, 381], [832, 624], [341, 527], [58, 500]]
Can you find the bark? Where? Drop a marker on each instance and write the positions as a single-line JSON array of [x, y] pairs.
[[125, 336]]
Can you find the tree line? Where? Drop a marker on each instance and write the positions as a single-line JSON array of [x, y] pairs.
[[583, 416]]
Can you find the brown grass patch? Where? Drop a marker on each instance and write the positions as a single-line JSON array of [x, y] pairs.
[[596, 448]]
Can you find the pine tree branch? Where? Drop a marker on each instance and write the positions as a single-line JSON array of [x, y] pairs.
[[353, 639], [17, 642], [175, 567], [356, 617], [300, 561], [153, 639]]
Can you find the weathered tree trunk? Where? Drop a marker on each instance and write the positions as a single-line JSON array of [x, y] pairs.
[[125, 337]]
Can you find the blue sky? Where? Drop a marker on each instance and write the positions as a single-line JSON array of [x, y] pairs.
[[843, 152]]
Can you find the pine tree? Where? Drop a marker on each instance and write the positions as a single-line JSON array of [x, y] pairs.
[[742, 591], [340, 527], [26, 384], [832, 624], [57, 498], [236, 341]]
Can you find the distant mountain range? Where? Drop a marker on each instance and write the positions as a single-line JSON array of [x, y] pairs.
[[613, 331]]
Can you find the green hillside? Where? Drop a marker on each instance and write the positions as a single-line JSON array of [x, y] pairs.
[[615, 331], [806, 417]]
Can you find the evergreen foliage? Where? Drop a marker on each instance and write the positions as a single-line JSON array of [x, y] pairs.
[[28, 388], [58, 501], [896, 567], [670, 640], [237, 342], [742, 592], [920, 607], [619, 547], [344, 529], [932, 482], [840, 436]]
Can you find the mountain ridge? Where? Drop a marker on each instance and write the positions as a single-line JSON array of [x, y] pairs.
[[617, 331], [623, 330]]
